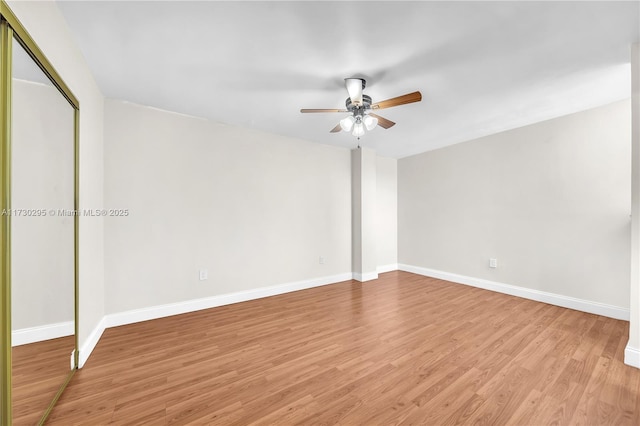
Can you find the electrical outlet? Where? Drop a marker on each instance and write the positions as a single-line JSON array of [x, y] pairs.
[[204, 274], [321, 260], [493, 263]]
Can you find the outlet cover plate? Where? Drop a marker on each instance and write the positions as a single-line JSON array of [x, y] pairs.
[[204, 274]]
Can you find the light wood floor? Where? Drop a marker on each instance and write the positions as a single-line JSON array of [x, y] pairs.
[[38, 370], [402, 349]]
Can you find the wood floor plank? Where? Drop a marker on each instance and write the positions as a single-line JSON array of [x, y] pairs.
[[403, 349]]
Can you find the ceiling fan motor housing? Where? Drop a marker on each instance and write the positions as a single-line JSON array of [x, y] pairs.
[[359, 110]]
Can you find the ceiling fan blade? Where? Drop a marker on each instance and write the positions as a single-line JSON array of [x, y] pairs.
[[383, 122], [336, 129], [305, 110], [400, 100]]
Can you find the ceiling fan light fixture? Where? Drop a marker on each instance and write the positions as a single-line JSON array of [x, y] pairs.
[[360, 107], [347, 123], [358, 129], [354, 87], [370, 122]]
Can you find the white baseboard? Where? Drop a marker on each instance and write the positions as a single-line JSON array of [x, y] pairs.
[[632, 356], [387, 268], [527, 293], [161, 311], [367, 276], [91, 342], [25, 336]]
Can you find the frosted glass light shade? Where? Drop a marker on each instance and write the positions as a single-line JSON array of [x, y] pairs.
[[370, 122], [358, 129], [354, 87], [347, 123]]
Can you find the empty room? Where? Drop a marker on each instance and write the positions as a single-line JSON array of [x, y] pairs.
[[319, 212]]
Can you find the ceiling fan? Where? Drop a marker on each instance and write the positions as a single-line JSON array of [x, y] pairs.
[[360, 107]]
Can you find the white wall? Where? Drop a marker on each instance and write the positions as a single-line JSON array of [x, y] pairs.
[[364, 238], [387, 212], [254, 209], [632, 352], [550, 201], [45, 24], [42, 291]]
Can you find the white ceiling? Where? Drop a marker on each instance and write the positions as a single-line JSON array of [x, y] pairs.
[[482, 67]]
